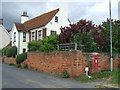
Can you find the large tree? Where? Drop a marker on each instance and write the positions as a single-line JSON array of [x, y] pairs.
[[86, 33], [115, 34]]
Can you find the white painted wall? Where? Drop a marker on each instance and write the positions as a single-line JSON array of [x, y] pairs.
[[38, 29], [55, 26], [4, 37], [14, 29], [119, 10], [23, 45]]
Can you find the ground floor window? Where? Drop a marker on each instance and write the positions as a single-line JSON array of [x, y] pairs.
[[24, 50], [52, 32]]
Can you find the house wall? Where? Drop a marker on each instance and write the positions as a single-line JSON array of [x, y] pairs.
[[17, 38], [23, 45], [55, 26], [119, 10], [36, 29], [4, 37]]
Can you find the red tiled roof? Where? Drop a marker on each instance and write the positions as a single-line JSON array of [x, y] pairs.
[[37, 22]]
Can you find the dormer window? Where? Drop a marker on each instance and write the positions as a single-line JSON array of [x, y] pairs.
[[56, 18]]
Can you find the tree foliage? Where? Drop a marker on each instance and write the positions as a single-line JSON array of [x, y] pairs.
[[115, 34], [48, 44], [86, 33]]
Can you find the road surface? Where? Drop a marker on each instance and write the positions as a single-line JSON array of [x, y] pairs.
[[13, 77]]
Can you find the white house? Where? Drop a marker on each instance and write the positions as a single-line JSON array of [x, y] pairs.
[[4, 35], [119, 10], [38, 27]]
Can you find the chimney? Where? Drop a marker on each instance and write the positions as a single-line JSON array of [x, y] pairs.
[[24, 17], [63, 5], [1, 21]]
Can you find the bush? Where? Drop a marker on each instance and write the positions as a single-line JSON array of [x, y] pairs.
[[48, 44], [65, 74], [10, 51], [5, 49], [18, 65], [25, 66], [33, 45], [21, 57], [14, 51]]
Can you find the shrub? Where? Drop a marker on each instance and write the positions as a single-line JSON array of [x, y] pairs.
[[14, 51], [5, 49], [65, 74], [48, 44], [33, 45], [11, 64], [21, 57], [10, 51], [25, 66], [18, 65]]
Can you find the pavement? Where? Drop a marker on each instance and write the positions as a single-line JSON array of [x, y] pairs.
[[13, 77]]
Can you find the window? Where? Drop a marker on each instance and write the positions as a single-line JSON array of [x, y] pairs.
[[39, 35], [53, 32], [14, 36], [24, 36], [33, 35], [24, 50], [56, 18]]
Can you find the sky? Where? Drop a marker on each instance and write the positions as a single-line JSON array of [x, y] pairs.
[[95, 10]]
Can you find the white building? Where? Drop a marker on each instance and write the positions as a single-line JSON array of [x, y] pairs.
[[119, 10], [38, 27], [4, 35]]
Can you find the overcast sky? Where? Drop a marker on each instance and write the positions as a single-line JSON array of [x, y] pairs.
[[95, 10]]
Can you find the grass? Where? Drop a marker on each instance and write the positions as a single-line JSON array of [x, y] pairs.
[[18, 65], [102, 75], [115, 79]]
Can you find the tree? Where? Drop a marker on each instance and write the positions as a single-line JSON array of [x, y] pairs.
[[84, 32], [115, 34]]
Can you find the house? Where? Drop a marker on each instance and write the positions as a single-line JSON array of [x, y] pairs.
[[119, 10], [4, 35], [38, 27]]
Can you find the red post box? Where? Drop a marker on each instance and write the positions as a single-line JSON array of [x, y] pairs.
[[96, 61]]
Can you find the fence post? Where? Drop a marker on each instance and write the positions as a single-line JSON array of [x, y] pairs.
[[75, 46], [58, 46]]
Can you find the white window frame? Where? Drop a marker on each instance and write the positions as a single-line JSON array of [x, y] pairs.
[[33, 35], [39, 34]]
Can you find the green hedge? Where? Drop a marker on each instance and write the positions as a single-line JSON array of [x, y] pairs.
[[48, 44], [5, 49], [21, 57], [10, 51]]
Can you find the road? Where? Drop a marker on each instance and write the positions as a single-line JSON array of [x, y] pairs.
[[13, 77]]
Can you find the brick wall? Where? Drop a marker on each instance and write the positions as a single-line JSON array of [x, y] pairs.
[[73, 61], [9, 60]]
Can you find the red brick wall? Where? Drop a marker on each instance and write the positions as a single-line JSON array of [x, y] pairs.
[[10, 60], [74, 62]]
